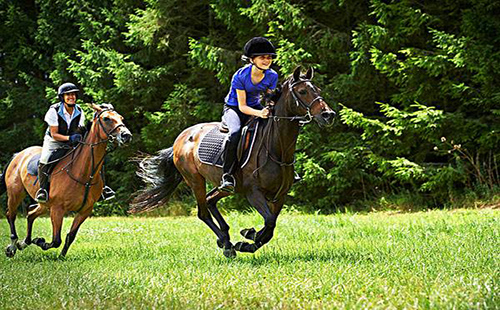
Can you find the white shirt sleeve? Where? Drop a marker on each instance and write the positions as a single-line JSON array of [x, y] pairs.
[[51, 117], [82, 119]]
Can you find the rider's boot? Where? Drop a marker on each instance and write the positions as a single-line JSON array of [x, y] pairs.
[[228, 182], [42, 195]]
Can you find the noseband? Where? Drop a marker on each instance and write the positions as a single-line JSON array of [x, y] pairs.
[[300, 103], [108, 134]]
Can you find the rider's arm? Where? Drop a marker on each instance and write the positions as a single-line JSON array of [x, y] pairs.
[[56, 135], [244, 108]]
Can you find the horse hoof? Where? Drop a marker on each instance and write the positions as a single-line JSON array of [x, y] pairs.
[[246, 247], [10, 251], [230, 253], [21, 245], [39, 241], [248, 233], [219, 243], [239, 245]]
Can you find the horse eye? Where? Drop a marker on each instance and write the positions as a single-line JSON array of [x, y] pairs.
[[302, 91], [106, 119]]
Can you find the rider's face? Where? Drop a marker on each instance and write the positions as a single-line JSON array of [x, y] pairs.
[[263, 61], [70, 98]]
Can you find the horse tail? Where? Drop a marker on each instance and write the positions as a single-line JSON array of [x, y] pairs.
[[3, 184], [162, 177]]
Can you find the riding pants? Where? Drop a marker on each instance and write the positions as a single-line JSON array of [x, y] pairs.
[[234, 119]]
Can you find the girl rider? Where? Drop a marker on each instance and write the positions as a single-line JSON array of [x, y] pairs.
[[66, 121], [243, 99]]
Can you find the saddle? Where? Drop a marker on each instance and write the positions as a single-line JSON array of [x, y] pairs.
[[35, 160], [212, 145]]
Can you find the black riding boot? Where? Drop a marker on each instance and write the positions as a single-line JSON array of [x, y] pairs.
[[42, 195], [107, 192], [228, 183]]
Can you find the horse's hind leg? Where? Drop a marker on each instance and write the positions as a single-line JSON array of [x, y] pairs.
[[56, 216], [13, 201], [212, 198], [70, 237], [197, 184], [33, 213]]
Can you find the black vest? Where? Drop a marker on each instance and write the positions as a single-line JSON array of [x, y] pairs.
[[62, 125]]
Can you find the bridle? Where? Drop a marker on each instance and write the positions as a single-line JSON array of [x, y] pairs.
[[304, 119], [109, 137], [307, 118], [108, 134]]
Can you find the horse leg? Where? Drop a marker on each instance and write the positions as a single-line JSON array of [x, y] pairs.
[[70, 237], [257, 199], [56, 215], [212, 198], [199, 190], [33, 213], [14, 199]]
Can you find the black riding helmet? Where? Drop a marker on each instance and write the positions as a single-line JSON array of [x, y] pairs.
[[66, 88], [259, 46]]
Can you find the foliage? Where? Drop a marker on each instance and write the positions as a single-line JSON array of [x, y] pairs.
[[401, 74]]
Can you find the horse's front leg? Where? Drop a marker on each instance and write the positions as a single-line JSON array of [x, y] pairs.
[[257, 199], [70, 237], [56, 216]]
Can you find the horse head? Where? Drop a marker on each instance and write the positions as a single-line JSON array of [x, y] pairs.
[[307, 101], [110, 124]]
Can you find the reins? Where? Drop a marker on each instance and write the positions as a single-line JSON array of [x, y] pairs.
[[269, 129], [88, 184]]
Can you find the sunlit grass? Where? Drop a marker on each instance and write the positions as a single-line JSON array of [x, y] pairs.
[[438, 259]]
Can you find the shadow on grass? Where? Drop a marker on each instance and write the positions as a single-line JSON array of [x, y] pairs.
[[322, 256]]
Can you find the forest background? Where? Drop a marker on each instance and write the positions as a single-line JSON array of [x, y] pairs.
[[416, 85]]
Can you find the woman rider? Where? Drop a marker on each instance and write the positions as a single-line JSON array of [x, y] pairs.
[[243, 99], [66, 122]]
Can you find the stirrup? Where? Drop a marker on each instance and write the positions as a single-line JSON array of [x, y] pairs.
[[228, 183], [41, 196], [296, 177], [107, 193]]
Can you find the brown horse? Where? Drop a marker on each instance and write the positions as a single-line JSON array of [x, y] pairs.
[[76, 183], [265, 180]]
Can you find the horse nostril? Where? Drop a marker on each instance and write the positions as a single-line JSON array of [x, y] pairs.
[[328, 115], [126, 137]]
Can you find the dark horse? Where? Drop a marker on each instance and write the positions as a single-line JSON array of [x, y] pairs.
[[265, 180], [76, 183]]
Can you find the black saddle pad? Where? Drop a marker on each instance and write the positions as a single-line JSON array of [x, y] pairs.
[[211, 147]]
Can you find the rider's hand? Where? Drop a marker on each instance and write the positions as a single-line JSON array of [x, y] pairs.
[[264, 113], [75, 138]]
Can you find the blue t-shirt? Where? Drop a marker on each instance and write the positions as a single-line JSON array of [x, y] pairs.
[[242, 79]]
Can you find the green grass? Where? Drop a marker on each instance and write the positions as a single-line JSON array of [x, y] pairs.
[[429, 260]]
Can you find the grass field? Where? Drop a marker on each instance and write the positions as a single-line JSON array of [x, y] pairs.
[[429, 260]]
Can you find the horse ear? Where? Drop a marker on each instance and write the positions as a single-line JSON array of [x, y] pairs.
[[96, 107], [310, 73], [296, 74]]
